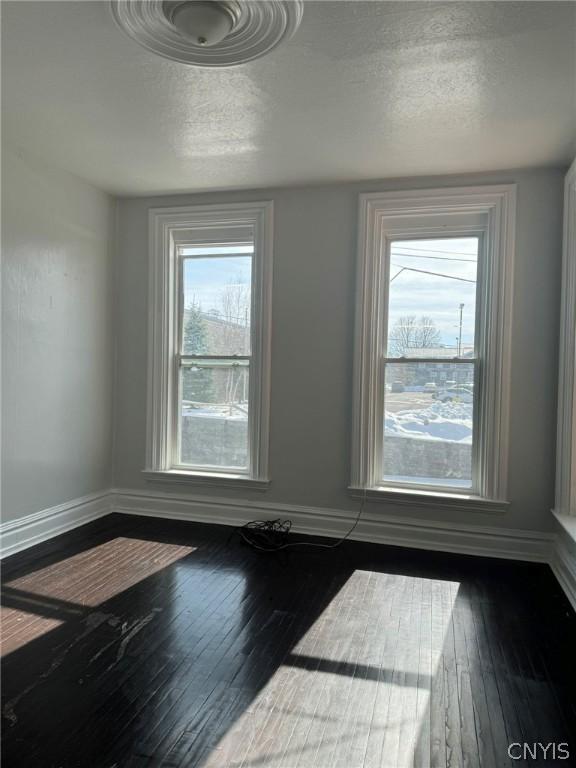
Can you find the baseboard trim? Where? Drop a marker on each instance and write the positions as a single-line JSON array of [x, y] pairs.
[[564, 568], [375, 527], [27, 531]]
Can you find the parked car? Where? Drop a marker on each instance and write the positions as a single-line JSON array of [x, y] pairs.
[[397, 386], [429, 387], [455, 395]]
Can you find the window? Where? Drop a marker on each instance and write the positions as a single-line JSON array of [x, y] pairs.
[[565, 503], [210, 343], [430, 363], [432, 342]]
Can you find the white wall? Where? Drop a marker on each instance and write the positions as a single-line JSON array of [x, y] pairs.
[[57, 336], [313, 314]]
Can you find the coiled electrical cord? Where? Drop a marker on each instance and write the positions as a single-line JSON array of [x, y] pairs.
[[272, 535]]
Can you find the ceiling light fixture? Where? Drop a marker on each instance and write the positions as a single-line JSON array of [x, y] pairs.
[[209, 33], [206, 23]]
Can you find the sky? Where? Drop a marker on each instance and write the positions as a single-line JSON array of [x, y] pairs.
[[205, 278], [421, 293]]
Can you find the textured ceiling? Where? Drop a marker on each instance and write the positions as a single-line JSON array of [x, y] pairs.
[[363, 90]]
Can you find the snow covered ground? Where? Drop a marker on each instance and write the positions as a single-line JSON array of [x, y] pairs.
[[450, 422], [446, 422], [239, 413]]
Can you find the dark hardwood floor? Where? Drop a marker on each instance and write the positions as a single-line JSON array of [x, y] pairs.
[[141, 642]]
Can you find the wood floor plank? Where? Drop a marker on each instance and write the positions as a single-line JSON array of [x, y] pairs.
[[392, 599], [392, 733], [452, 711], [422, 749], [481, 651], [437, 705], [484, 728]]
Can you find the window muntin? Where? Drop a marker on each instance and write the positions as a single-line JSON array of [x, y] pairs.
[[214, 358], [430, 412]]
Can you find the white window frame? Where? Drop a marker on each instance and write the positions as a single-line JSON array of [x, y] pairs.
[[487, 212], [565, 503], [170, 229]]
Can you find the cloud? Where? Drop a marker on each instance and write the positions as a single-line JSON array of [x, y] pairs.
[[433, 291]]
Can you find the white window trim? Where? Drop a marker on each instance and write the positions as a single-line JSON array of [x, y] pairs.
[[496, 205], [168, 228], [565, 503]]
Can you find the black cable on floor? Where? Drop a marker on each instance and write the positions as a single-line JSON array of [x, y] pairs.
[[272, 535]]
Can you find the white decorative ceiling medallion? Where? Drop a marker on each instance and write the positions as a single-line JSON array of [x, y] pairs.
[[209, 33]]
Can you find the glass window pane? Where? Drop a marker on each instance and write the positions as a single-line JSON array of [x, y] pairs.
[[214, 250], [214, 416], [428, 424], [216, 317], [432, 297]]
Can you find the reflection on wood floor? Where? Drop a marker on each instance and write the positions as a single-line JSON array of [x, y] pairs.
[[140, 642]]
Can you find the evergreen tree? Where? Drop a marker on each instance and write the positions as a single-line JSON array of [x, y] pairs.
[[197, 383]]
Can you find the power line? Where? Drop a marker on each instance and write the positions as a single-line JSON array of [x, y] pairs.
[[429, 250], [397, 273], [427, 272], [435, 258]]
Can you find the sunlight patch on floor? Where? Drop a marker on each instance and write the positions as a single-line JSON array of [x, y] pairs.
[[37, 603], [355, 689], [95, 575], [15, 622]]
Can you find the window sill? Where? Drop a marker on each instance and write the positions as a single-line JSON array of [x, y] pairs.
[[205, 478], [568, 523], [460, 502]]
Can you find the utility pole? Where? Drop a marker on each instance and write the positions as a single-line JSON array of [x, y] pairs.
[[460, 332]]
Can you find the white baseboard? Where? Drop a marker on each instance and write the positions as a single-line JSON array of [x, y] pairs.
[[373, 527], [564, 567], [24, 532], [377, 527]]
